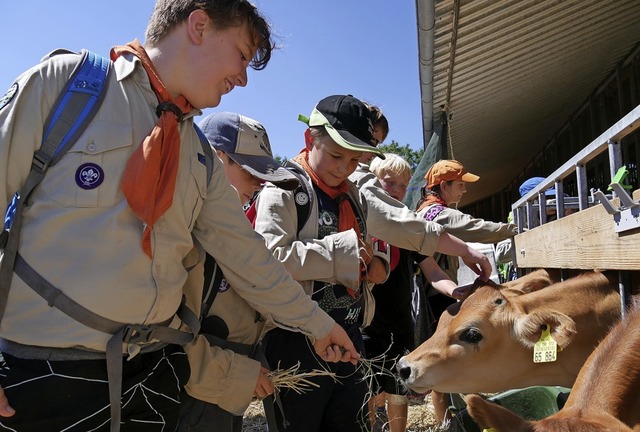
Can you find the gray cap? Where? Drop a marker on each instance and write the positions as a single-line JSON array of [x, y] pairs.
[[246, 142]]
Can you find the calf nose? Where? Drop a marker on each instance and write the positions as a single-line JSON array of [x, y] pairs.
[[404, 370]]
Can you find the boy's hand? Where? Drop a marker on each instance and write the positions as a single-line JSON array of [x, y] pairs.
[[376, 271], [264, 387], [366, 253], [478, 262], [336, 346], [5, 408]]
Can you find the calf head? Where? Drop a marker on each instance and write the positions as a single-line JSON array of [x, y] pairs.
[[482, 344], [604, 398]]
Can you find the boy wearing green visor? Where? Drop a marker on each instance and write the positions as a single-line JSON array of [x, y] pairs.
[[332, 258]]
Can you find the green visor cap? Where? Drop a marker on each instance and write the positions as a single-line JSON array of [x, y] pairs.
[[344, 138]]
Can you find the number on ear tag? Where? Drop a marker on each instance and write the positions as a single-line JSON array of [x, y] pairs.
[[546, 349]]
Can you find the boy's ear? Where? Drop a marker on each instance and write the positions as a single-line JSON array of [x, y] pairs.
[[308, 139], [196, 24]]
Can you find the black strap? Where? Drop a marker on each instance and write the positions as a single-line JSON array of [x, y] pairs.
[[208, 152], [212, 280], [302, 196]]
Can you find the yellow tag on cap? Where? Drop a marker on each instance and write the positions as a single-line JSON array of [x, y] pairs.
[[546, 349]]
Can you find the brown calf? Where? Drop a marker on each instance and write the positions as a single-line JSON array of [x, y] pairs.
[[485, 343], [605, 396]]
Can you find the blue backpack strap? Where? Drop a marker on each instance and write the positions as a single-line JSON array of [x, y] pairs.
[[70, 115]]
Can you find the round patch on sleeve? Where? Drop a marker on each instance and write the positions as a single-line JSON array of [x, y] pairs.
[[89, 176], [9, 95]]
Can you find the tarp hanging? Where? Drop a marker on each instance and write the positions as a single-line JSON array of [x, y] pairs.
[[436, 150]]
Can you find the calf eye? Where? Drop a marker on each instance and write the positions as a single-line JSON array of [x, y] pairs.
[[499, 301], [471, 335]]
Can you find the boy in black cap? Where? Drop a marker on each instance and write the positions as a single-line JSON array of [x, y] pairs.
[[224, 374], [331, 257]]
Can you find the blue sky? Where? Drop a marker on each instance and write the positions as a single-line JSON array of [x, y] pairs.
[[367, 48]]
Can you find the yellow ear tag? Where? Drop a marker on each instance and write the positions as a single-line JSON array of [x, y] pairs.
[[546, 349], [489, 430]]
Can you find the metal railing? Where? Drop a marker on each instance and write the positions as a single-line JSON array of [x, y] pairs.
[[525, 208]]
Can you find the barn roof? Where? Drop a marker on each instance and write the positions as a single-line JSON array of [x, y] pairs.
[[512, 72]]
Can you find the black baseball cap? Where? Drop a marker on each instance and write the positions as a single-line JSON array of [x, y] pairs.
[[348, 122]]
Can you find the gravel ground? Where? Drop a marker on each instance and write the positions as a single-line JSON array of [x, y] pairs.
[[421, 418]]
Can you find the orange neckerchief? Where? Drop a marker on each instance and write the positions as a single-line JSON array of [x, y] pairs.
[[432, 199], [149, 179], [347, 218]]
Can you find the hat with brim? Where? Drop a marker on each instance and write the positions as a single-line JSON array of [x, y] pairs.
[[347, 120], [448, 170], [246, 142]]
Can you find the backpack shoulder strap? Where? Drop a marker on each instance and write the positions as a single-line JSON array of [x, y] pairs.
[[212, 280], [302, 196], [75, 107], [208, 152]]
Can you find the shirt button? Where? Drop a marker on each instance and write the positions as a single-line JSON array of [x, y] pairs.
[[91, 147]]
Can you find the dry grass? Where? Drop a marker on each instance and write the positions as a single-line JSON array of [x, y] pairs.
[[297, 381], [421, 418]]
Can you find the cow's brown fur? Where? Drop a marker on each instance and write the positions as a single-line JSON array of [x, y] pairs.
[[579, 312], [605, 396]]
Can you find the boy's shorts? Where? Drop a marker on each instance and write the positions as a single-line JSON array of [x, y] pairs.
[[73, 395]]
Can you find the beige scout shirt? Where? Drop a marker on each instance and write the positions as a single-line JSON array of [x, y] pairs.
[[333, 259], [468, 229], [86, 242], [220, 376], [392, 221]]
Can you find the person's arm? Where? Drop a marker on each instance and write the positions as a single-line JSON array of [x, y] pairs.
[[226, 234], [470, 229], [440, 281], [476, 261], [335, 259], [390, 220], [436, 277]]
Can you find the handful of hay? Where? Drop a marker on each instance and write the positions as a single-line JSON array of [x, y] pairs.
[[298, 382]]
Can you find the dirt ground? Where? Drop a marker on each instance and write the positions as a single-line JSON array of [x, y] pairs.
[[421, 418]]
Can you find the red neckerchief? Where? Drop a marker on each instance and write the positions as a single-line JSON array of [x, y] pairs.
[[149, 179]]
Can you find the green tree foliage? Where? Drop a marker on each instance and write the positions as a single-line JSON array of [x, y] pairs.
[[410, 155], [280, 159]]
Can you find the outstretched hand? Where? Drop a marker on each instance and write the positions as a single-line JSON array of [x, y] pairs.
[[478, 262], [5, 408], [336, 347]]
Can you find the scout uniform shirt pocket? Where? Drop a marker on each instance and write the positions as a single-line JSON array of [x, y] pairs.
[[197, 189], [89, 174]]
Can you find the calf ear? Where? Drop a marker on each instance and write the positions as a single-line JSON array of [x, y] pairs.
[[489, 415], [528, 328]]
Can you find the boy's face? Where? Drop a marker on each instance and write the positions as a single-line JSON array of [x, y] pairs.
[[395, 185], [244, 182], [219, 64], [331, 162]]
